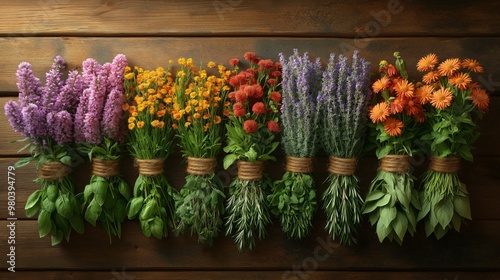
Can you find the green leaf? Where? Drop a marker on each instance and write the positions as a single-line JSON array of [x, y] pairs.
[[229, 160], [156, 227], [48, 205], [251, 154], [23, 162], [124, 190], [387, 215], [77, 223], [56, 238], [462, 206], [66, 160], [100, 189], [93, 212], [382, 231], [384, 200], [400, 225], [148, 210], [52, 192], [63, 206], [444, 212], [44, 223], [374, 195], [383, 151], [33, 199], [134, 206], [87, 192]]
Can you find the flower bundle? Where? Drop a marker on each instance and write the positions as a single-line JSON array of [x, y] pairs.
[[253, 110], [343, 102], [197, 119], [453, 104], [392, 203], [44, 114], [99, 132], [149, 102], [293, 198]]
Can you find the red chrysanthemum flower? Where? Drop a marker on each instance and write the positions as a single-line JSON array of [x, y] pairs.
[[234, 62], [266, 63], [239, 110], [241, 96], [272, 81], [249, 56], [276, 74], [254, 91], [250, 126], [273, 126], [259, 108], [480, 98], [275, 96]]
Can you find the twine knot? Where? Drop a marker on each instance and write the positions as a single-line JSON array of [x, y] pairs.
[[53, 170], [105, 167], [298, 164], [250, 171], [201, 166], [342, 166], [445, 165], [395, 163], [150, 167]]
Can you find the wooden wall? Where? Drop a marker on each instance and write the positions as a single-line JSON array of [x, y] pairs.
[[151, 32]]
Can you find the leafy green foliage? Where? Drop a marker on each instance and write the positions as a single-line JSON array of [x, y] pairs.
[[199, 206], [342, 203], [392, 205], [153, 203], [58, 208], [247, 211], [293, 201], [445, 203]]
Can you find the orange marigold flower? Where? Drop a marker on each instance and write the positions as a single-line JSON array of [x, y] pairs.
[[420, 116], [404, 88], [441, 98], [211, 64], [480, 98], [160, 124], [449, 67], [391, 70], [217, 119], [379, 112], [397, 105], [412, 107], [196, 115], [175, 126], [131, 126], [393, 126], [125, 107], [155, 123], [423, 94], [250, 126], [472, 65], [206, 116], [140, 124], [131, 119], [430, 77], [461, 80], [187, 124], [427, 62], [380, 84]]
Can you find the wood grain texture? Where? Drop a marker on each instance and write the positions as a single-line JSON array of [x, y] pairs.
[[92, 251], [153, 52], [124, 274], [249, 18]]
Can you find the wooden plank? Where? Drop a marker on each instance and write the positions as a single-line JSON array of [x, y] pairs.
[[123, 274], [217, 18], [92, 251], [153, 52], [482, 178]]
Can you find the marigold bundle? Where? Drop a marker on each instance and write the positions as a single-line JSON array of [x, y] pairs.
[[197, 113], [453, 104], [253, 110], [150, 99], [293, 198], [99, 132], [44, 114], [392, 202], [343, 102]]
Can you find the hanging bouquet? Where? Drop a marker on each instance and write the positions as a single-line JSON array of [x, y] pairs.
[[197, 119], [253, 110], [453, 103], [44, 114], [149, 101], [293, 198], [392, 203], [99, 132], [343, 101]]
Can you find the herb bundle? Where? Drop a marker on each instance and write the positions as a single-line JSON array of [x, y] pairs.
[[197, 118], [253, 110], [44, 114], [150, 98], [453, 104], [343, 102], [99, 131], [392, 203], [293, 198]]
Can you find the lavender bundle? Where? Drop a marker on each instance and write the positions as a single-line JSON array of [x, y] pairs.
[[99, 131], [293, 198], [44, 115], [343, 101]]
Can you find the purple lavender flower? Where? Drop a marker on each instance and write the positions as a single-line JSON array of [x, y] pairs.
[[34, 122], [69, 96], [112, 122], [63, 127], [81, 111], [28, 85], [13, 111], [117, 73], [95, 76]]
